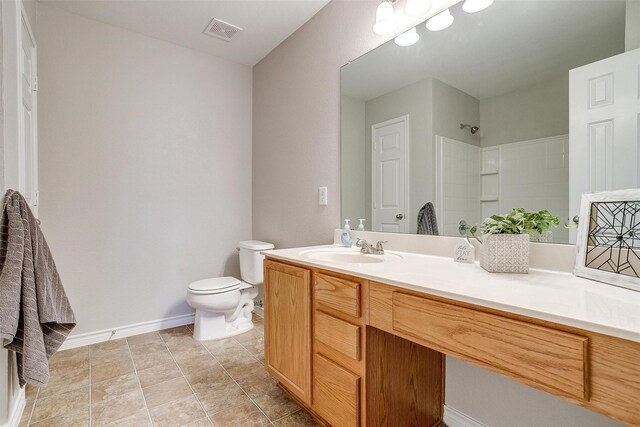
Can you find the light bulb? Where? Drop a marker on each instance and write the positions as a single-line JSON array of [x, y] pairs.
[[417, 7], [408, 38], [472, 6], [385, 19], [441, 21]]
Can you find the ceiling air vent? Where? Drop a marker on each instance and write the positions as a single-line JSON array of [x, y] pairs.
[[221, 30]]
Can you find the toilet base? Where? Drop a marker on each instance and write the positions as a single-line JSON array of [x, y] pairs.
[[213, 326]]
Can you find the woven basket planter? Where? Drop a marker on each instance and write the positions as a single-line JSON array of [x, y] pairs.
[[505, 253]]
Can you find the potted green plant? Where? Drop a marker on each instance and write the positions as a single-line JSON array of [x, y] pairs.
[[505, 239]]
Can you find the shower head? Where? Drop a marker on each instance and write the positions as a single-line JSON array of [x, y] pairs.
[[472, 129]]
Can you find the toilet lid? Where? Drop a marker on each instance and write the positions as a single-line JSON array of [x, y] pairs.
[[215, 285]]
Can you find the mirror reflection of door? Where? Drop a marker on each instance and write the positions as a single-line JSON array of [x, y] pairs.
[[390, 167], [604, 127]]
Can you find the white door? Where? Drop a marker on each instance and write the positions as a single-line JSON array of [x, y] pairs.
[[28, 141], [390, 148], [19, 82], [604, 127]]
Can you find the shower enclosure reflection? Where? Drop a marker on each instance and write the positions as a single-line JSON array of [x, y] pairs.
[[471, 121]]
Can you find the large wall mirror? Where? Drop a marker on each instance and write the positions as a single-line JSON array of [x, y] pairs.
[[509, 107]]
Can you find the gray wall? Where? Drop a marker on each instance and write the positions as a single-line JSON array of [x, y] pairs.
[[145, 177], [353, 160], [632, 25], [296, 124], [538, 111], [415, 101], [450, 107], [296, 147]]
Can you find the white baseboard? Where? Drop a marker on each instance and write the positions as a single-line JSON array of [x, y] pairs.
[[259, 311], [88, 338], [17, 408], [455, 418]]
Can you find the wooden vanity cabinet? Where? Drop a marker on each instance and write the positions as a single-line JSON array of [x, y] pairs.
[[338, 349], [596, 371], [355, 352], [287, 329], [315, 340]]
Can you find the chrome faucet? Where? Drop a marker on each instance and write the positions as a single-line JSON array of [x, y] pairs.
[[367, 248]]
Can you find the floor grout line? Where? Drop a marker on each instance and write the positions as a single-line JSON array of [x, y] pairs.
[[166, 339], [236, 382], [185, 378], [144, 399]]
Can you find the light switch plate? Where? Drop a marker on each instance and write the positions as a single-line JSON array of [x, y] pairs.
[[322, 196]]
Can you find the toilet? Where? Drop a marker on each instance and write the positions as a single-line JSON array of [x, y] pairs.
[[224, 304]]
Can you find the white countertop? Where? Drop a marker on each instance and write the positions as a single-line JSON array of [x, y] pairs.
[[556, 297]]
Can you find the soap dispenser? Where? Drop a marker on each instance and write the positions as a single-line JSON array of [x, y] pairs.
[[345, 238], [361, 225]]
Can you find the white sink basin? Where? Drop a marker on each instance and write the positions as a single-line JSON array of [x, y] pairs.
[[348, 256]]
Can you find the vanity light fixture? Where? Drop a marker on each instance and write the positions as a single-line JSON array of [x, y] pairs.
[[408, 38], [417, 7], [385, 19], [472, 6], [441, 21]]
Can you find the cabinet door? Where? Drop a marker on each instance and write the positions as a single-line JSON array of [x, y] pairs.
[[336, 393], [287, 295]]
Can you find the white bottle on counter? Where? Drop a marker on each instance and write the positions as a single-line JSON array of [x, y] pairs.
[[345, 238]]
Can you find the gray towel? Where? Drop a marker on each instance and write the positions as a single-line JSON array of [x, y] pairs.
[[35, 315], [427, 222]]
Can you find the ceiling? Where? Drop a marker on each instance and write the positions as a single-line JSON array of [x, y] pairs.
[[265, 23], [512, 45]]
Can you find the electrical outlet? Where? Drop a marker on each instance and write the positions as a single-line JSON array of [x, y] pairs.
[[322, 196]]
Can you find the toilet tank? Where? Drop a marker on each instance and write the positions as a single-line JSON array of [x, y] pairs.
[[251, 260]]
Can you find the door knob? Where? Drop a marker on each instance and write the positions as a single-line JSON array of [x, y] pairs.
[[576, 219], [400, 216]]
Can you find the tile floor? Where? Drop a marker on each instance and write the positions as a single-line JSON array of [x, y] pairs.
[[163, 378]]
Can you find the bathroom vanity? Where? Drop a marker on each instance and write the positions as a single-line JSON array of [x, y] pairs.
[[363, 342]]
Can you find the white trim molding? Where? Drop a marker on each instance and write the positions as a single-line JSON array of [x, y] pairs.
[[96, 337], [455, 418], [17, 408]]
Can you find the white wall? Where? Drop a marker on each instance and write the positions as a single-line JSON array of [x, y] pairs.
[[296, 147], [145, 176]]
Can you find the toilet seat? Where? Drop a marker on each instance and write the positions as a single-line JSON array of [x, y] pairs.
[[216, 285]]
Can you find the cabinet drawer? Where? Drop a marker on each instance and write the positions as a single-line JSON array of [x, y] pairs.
[[336, 393], [543, 357], [338, 294], [338, 334]]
